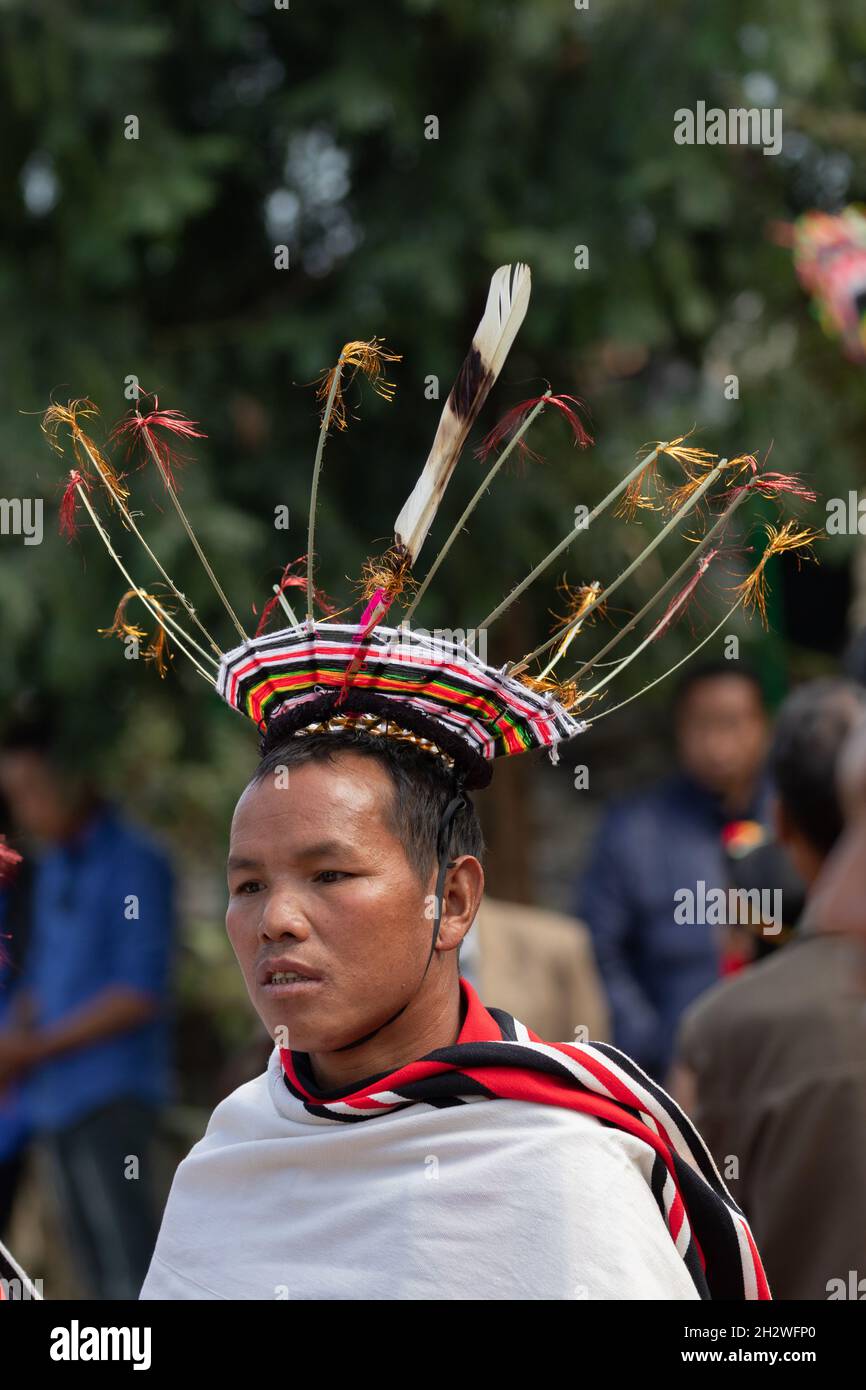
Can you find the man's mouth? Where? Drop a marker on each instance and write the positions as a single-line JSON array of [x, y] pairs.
[[285, 983]]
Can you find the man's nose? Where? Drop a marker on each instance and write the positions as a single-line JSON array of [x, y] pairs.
[[283, 916]]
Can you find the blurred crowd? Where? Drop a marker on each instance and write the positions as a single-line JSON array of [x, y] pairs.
[[718, 937]]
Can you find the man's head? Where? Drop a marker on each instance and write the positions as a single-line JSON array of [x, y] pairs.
[[332, 869], [46, 798], [721, 728], [811, 728]]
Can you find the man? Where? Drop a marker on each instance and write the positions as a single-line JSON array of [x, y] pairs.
[[405, 1141], [88, 1037], [350, 1169], [773, 1062], [652, 846]]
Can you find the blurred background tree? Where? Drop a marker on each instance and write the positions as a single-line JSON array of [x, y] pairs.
[[305, 126]]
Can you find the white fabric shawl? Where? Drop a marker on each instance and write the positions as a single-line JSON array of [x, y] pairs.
[[497, 1199]]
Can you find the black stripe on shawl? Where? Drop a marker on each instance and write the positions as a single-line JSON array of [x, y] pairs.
[[691, 1259], [677, 1116], [715, 1230], [506, 1023]]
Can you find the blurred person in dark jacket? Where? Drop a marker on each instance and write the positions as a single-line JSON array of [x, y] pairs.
[[758, 871], [87, 1039], [653, 845], [772, 1063]]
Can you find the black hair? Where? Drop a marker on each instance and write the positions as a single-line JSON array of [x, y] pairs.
[[61, 735], [34, 732], [423, 787], [713, 670], [811, 727]]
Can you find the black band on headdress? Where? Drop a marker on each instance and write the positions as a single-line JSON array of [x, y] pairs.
[[477, 771]]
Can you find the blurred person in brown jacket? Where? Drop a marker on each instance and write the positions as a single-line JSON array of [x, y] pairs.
[[772, 1063], [840, 894], [540, 966]]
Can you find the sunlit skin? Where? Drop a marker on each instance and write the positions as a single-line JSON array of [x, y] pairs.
[[722, 734], [316, 873]]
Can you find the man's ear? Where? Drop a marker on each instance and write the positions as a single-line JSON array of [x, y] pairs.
[[464, 889]]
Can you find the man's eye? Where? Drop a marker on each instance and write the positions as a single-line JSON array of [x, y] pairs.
[[250, 885], [331, 875]]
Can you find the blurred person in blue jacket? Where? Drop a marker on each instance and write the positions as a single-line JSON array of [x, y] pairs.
[[88, 1034], [653, 845], [15, 886]]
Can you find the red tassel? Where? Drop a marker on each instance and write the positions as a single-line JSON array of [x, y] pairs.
[[679, 600], [135, 427], [68, 520], [293, 581], [771, 484], [514, 418]]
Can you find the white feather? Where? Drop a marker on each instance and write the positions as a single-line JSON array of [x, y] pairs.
[[507, 301]]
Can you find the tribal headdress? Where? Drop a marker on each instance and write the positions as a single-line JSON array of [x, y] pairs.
[[319, 675]]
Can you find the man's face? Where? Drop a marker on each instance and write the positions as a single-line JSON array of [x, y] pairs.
[[34, 794], [317, 879], [722, 733]]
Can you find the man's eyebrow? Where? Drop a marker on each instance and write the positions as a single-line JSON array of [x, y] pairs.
[[323, 847], [240, 861], [316, 851]]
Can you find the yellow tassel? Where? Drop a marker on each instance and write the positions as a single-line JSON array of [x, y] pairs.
[[565, 693], [120, 627], [780, 539], [391, 572], [741, 464], [157, 649], [579, 600], [364, 357], [681, 494], [87, 452], [634, 499], [689, 456]]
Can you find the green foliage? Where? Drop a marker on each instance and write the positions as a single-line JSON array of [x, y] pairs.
[[155, 256]]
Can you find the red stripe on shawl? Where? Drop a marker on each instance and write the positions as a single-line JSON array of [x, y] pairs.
[[760, 1276], [613, 1082]]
